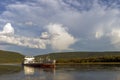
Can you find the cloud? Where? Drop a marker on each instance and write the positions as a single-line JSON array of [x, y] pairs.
[[20, 40], [57, 37], [60, 38], [114, 36], [99, 33], [8, 29]]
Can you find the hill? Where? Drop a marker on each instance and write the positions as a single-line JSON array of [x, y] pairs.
[[83, 57], [10, 57], [69, 55]]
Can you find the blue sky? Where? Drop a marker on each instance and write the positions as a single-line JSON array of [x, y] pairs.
[[34, 27]]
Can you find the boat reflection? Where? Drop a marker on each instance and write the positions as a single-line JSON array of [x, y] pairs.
[[28, 70], [33, 73]]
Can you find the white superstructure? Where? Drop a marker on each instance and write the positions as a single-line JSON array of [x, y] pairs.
[[39, 62], [29, 59]]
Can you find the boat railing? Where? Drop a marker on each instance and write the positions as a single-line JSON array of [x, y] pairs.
[[40, 60]]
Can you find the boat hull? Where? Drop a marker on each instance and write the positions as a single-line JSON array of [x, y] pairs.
[[42, 65]]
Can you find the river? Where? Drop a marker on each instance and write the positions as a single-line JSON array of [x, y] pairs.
[[61, 72]]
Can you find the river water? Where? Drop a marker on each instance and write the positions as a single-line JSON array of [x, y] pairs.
[[61, 72]]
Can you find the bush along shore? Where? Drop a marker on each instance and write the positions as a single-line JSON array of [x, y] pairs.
[[84, 57], [91, 60]]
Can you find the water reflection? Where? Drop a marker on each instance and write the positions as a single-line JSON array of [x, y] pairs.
[[90, 67], [9, 69], [73, 72], [28, 70], [32, 73], [62, 72]]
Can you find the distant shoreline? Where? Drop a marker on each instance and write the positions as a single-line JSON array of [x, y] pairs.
[[94, 63], [88, 63], [11, 64]]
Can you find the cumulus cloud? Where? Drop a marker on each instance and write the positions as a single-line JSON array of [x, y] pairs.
[[20, 40], [44, 35], [56, 36], [60, 38], [8, 29]]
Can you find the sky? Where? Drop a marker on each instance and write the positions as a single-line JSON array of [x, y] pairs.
[[34, 27]]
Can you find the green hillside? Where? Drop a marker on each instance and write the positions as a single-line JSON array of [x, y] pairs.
[[83, 57], [69, 55], [10, 57]]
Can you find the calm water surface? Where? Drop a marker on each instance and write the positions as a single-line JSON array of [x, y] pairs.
[[63, 72]]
